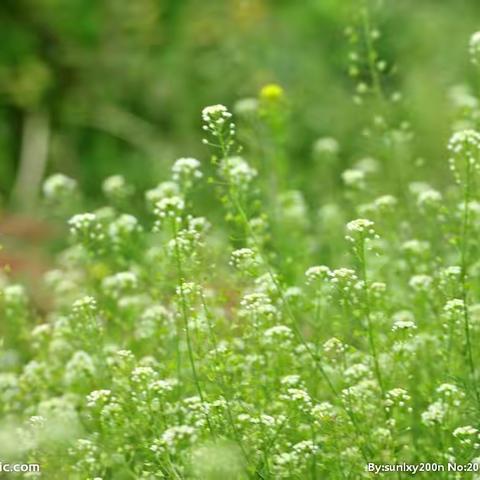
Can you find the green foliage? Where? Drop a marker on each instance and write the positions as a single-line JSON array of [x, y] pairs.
[[300, 305]]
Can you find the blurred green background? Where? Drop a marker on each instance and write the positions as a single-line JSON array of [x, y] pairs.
[[97, 87]]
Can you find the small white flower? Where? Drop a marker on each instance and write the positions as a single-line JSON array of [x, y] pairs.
[[421, 283], [186, 171], [59, 186], [354, 178], [474, 48], [326, 146]]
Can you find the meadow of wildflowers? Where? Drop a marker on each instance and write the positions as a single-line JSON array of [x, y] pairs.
[[227, 324]]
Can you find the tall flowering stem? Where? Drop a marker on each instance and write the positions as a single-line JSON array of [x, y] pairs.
[[237, 175], [464, 163], [360, 231]]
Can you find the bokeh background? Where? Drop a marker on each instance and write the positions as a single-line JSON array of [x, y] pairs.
[[92, 88]]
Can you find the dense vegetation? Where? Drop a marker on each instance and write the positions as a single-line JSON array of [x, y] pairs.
[[279, 307]]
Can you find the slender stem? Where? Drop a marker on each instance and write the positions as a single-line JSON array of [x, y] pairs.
[[183, 303], [368, 316], [234, 200], [464, 273], [223, 383], [294, 322]]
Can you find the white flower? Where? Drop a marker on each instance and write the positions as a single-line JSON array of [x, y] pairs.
[[397, 397], [116, 187], [85, 226], [429, 198], [416, 247], [215, 113], [173, 438], [354, 178], [421, 283], [464, 145], [14, 295], [186, 171], [98, 398], [326, 146], [245, 260], [123, 228], [361, 225], [385, 202], [278, 335], [454, 308], [170, 207], [474, 47], [163, 190], [257, 305], [120, 283], [86, 305], [434, 414], [246, 106], [467, 435], [237, 171], [334, 346], [58, 186], [360, 229], [317, 272]]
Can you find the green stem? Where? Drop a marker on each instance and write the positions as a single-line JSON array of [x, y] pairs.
[[463, 276], [183, 303], [368, 316]]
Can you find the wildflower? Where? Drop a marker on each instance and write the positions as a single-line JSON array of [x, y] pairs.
[[237, 172], [217, 122], [246, 106], [403, 321], [334, 346], [326, 146], [317, 272], [215, 114], [85, 306], [85, 227], [98, 398], [385, 203], [173, 439], [354, 178], [169, 207], [116, 188], [434, 414], [124, 231], [397, 397], [416, 247], [120, 284], [186, 171], [161, 191], [258, 305], [79, 368], [294, 207], [279, 335], [299, 398], [429, 198], [464, 146], [474, 48], [245, 260], [345, 280], [59, 187], [454, 308], [450, 391], [421, 283], [271, 92], [467, 435], [360, 229]]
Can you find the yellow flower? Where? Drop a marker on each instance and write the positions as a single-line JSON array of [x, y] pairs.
[[272, 92]]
